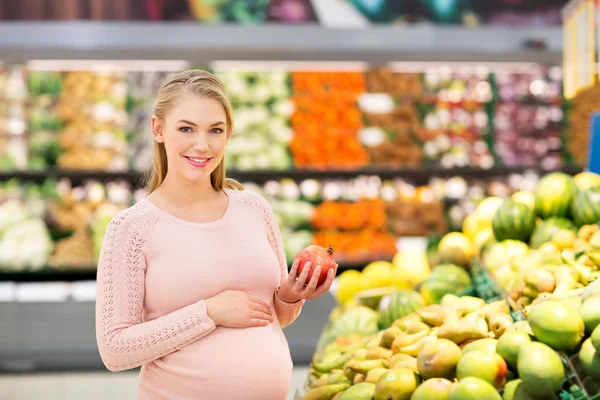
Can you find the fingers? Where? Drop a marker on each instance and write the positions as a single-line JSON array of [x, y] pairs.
[[259, 322], [262, 315], [261, 307], [312, 284], [293, 271], [256, 300], [299, 284], [326, 285]]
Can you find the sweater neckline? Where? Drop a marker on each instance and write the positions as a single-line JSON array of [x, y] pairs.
[[184, 222]]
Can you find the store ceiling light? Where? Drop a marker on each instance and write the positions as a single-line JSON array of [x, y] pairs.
[[316, 66], [480, 69], [108, 65]]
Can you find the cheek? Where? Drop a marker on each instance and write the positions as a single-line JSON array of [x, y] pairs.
[[175, 143], [219, 143]]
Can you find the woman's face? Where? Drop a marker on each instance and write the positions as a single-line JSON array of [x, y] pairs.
[[195, 135]]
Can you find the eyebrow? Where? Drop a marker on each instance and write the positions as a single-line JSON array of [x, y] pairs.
[[185, 121]]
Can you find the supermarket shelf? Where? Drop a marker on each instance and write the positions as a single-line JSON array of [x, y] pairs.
[[50, 275], [194, 42], [419, 176], [89, 273]]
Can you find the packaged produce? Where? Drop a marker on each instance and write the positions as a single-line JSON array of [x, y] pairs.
[[44, 123], [92, 107], [25, 242], [455, 120], [392, 123], [13, 119], [262, 109], [326, 120]]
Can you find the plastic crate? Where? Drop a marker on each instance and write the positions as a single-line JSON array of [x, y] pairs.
[[483, 283]]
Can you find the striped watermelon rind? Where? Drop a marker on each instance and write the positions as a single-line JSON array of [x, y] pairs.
[[398, 304], [544, 231], [586, 207], [513, 220], [554, 195]]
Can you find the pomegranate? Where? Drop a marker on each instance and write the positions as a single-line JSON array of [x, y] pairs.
[[317, 255]]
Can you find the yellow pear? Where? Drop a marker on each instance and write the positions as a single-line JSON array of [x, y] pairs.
[[410, 269]]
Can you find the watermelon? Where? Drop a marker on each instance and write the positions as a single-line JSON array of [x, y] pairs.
[[554, 195], [543, 232], [398, 304], [444, 279], [360, 320], [586, 207], [513, 220]]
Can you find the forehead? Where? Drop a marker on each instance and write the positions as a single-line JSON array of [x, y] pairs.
[[197, 109]]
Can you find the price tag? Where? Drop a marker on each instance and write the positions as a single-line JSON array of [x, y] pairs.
[[7, 292], [55, 292], [84, 291]]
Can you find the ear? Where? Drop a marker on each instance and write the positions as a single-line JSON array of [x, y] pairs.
[[157, 129]]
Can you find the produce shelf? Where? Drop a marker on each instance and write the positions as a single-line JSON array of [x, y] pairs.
[[48, 274], [419, 176], [202, 43]]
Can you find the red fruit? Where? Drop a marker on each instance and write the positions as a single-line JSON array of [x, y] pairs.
[[317, 255]]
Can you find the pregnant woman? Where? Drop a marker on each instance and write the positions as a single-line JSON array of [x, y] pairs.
[[193, 283]]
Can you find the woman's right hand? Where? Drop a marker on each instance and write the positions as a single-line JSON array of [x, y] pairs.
[[237, 309]]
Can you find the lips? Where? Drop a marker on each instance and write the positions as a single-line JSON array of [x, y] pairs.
[[198, 162]]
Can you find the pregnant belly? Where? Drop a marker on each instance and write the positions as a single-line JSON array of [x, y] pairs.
[[245, 364]]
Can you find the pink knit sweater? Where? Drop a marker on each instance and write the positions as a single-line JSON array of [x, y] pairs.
[[154, 272]]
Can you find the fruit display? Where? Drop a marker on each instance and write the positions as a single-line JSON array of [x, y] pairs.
[[13, 119], [81, 215], [456, 124], [416, 216], [363, 214], [358, 247], [408, 268], [529, 117], [391, 124], [44, 124], [459, 348], [262, 109], [25, 241], [544, 256], [382, 116], [54, 225], [326, 120], [463, 196], [92, 108]]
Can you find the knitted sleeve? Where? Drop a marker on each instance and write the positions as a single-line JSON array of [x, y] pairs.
[[124, 340], [286, 312]]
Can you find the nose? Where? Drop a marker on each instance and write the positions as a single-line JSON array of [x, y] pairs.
[[201, 143]]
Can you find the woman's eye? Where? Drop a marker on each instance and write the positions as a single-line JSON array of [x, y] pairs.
[[185, 129], [216, 131]]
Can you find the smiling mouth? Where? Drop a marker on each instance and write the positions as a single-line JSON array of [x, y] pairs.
[[198, 161]]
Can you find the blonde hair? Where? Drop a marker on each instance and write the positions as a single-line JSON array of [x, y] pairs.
[[201, 83]]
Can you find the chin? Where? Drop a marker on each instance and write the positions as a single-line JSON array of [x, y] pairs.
[[196, 176]]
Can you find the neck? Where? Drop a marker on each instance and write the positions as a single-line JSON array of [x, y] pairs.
[[183, 191]]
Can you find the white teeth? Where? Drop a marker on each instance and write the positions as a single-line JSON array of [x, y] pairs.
[[198, 159]]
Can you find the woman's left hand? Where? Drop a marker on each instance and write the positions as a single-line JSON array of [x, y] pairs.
[[295, 289]]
